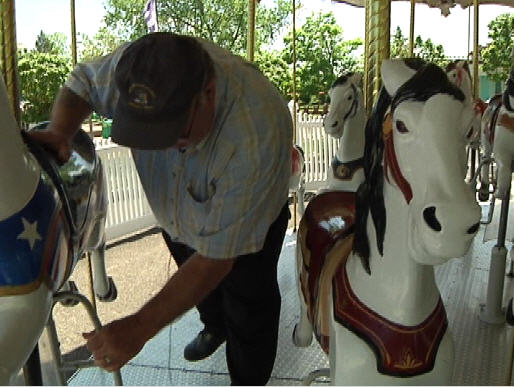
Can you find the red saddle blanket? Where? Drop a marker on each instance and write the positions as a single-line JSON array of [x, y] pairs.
[[400, 350]]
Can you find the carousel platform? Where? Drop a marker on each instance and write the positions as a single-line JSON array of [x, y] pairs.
[[483, 351]]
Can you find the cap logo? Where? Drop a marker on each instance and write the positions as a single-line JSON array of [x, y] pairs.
[[141, 97]]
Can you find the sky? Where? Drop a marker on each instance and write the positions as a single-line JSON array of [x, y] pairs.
[[51, 16]]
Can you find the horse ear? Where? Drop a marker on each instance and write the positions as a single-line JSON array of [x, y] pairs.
[[357, 79], [394, 74]]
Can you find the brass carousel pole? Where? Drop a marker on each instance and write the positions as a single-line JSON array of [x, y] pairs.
[[74, 62], [250, 49], [8, 59], [73, 34], [366, 81], [411, 32], [378, 24]]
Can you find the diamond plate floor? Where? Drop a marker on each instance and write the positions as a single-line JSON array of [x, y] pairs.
[[483, 352]]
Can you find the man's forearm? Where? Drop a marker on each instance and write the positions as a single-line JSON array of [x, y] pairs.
[[68, 112], [192, 282]]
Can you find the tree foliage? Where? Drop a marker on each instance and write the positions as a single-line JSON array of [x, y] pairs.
[[424, 49], [102, 43], [321, 56], [56, 43], [223, 22], [496, 57], [275, 68], [41, 75]]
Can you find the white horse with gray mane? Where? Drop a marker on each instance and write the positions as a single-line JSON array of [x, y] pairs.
[[345, 121], [365, 260], [49, 216]]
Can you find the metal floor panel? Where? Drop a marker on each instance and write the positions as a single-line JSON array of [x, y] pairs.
[[483, 351]]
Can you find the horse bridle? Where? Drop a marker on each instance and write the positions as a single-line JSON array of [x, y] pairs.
[[390, 160], [353, 107]]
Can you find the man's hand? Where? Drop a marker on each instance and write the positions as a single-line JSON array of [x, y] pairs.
[[68, 113], [55, 142], [116, 343]]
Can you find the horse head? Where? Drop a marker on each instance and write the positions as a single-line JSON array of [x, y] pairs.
[[458, 73], [416, 128], [345, 100]]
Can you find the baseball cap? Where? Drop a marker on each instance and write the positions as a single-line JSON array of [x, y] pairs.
[[157, 77]]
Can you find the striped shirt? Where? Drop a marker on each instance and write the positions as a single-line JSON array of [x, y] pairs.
[[221, 196]]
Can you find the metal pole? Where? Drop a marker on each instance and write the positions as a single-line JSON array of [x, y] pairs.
[[73, 34], [32, 369], [294, 103], [411, 33], [250, 49], [366, 80], [476, 80], [378, 24], [8, 57]]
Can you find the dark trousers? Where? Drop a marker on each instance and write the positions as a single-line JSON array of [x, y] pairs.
[[245, 307]]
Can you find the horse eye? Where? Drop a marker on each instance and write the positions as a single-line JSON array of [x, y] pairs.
[[400, 127], [350, 97]]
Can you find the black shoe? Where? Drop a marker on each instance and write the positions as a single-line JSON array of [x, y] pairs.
[[203, 345]]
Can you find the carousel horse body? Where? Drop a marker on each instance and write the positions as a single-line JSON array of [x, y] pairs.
[[365, 259], [297, 179], [345, 120], [49, 216], [497, 140]]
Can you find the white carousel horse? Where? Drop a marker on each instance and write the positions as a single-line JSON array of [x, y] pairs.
[[297, 179], [497, 139], [365, 260], [49, 216], [345, 120]]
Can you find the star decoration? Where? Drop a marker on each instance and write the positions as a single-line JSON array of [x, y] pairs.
[[29, 233]]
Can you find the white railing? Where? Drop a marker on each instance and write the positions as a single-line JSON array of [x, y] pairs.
[[128, 209], [319, 149]]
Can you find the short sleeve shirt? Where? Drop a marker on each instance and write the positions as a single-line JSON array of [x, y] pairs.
[[221, 196]]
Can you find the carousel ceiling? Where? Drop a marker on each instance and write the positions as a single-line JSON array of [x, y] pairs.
[[444, 5]]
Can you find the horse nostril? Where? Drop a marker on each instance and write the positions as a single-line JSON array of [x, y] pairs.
[[430, 218], [335, 124], [473, 229]]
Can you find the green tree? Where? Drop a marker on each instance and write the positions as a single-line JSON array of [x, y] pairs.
[[56, 43], [275, 68], [399, 45], [223, 22], [424, 49], [41, 75], [496, 57], [102, 43], [322, 55]]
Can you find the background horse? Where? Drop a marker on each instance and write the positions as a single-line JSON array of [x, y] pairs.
[[497, 139], [345, 120], [365, 260], [459, 74], [49, 216]]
